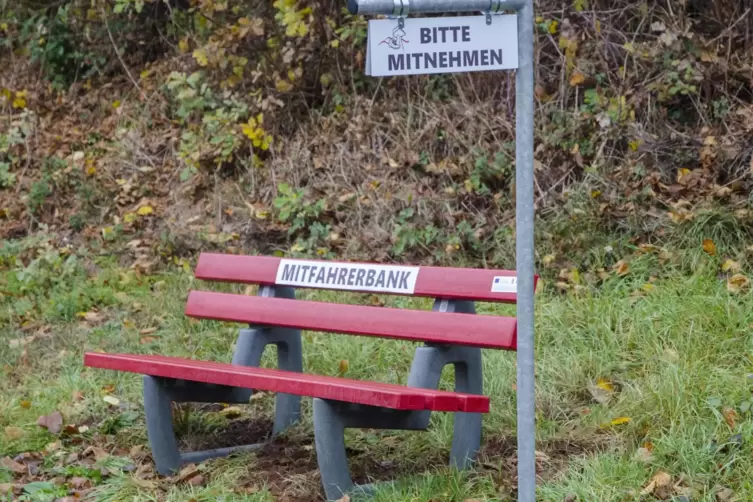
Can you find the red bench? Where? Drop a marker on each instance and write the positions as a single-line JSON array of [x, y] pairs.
[[452, 334]]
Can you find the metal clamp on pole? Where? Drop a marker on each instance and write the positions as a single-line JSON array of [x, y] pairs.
[[495, 7], [400, 9]]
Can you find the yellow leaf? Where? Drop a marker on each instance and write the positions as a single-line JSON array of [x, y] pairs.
[[621, 421], [183, 46], [116, 104], [605, 384], [129, 218], [334, 44], [648, 287], [201, 57], [145, 210], [553, 27], [19, 102], [629, 47], [577, 79], [730, 266], [595, 194], [325, 79], [681, 173], [282, 85], [548, 259], [635, 144], [709, 247], [25, 404]]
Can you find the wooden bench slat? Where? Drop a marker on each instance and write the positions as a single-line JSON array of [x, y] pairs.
[[341, 389], [494, 332], [435, 282]]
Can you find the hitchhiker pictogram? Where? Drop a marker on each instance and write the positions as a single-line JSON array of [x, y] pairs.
[[396, 41]]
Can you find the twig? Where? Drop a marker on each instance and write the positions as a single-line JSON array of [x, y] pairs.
[[117, 53]]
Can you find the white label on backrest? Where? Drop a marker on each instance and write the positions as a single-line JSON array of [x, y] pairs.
[[348, 276], [505, 285]]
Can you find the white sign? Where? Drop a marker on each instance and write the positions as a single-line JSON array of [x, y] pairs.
[[505, 285], [441, 45], [348, 276]]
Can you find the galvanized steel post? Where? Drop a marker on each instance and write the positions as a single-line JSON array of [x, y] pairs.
[[524, 255], [524, 204]]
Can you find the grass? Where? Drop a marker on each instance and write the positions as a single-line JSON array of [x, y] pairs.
[[676, 355]]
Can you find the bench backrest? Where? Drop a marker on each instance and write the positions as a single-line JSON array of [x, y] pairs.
[[445, 325], [436, 282]]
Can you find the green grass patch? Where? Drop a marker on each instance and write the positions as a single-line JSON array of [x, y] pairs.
[[619, 368]]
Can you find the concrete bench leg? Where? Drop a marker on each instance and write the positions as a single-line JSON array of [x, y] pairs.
[[331, 418], [426, 371], [160, 393]]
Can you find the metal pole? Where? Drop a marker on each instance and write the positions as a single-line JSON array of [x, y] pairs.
[[366, 7], [524, 252]]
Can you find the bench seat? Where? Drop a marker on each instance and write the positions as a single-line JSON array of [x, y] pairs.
[[384, 395]]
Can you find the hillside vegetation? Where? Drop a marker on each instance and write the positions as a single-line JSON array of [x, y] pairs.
[[181, 125]]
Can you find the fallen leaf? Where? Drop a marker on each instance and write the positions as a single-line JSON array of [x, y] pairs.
[[187, 473], [145, 211], [147, 331], [52, 422], [91, 317], [77, 396], [12, 432], [599, 393], [658, 483], [622, 268], [95, 451], [737, 283], [731, 266], [78, 483], [25, 404], [724, 494], [577, 79], [644, 455], [231, 412], [709, 247], [621, 421], [6, 487], [343, 367], [196, 480], [145, 484], [201, 57], [605, 384], [344, 498], [729, 416], [12, 465], [111, 400]]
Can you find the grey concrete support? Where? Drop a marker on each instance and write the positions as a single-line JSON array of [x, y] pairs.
[[426, 371], [331, 418], [160, 393], [159, 426]]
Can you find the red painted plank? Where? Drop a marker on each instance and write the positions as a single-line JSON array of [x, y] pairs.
[[493, 332], [271, 380], [435, 282]]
